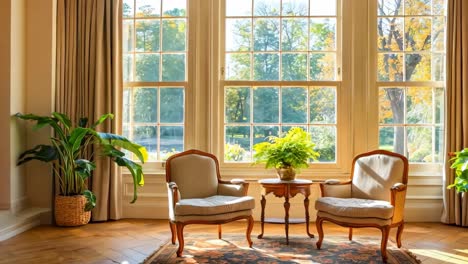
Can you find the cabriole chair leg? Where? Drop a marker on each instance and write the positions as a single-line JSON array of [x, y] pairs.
[[172, 226], [318, 223]]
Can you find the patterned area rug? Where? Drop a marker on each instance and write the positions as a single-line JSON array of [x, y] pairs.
[[233, 248]]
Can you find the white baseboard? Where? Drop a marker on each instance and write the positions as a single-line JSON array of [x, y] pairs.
[[13, 224], [19, 205]]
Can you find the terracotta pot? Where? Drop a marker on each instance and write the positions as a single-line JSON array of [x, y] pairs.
[[286, 174], [69, 210]]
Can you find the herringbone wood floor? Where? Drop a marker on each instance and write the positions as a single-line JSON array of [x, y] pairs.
[[131, 241]]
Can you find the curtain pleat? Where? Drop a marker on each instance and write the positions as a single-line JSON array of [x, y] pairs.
[[455, 209], [88, 81]]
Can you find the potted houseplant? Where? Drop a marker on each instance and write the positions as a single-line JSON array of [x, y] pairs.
[[71, 150], [460, 165], [286, 153]]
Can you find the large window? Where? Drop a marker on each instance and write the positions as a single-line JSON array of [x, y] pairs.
[[410, 77], [357, 75], [155, 74], [281, 64]]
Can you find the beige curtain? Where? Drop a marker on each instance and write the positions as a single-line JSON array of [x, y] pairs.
[[456, 205], [88, 80]]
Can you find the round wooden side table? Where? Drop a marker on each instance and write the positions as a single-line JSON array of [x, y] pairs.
[[286, 189]]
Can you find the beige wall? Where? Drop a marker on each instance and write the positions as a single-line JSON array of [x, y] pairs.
[[27, 60], [40, 72], [5, 29], [17, 103]]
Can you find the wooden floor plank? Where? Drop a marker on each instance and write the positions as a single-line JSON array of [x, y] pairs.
[[133, 240]]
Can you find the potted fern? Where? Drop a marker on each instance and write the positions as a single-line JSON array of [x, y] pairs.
[[71, 151], [287, 153], [460, 165]]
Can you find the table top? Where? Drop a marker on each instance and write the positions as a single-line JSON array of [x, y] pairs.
[[278, 181]]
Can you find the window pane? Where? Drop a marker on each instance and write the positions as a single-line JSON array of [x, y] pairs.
[[399, 140], [266, 105], [172, 140], [417, 7], [418, 67], [390, 67], [127, 36], [172, 105], [128, 8], [147, 137], [266, 34], [439, 144], [174, 8], [439, 106], [324, 138], [439, 7], [294, 67], [237, 147], [293, 37], [419, 105], [438, 67], [322, 8], [237, 103], [322, 105], [266, 66], [147, 35], [127, 67], [173, 36], [147, 67], [173, 66], [420, 144], [418, 33], [295, 7], [390, 7], [145, 105], [438, 34], [237, 66], [238, 33], [261, 133], [392, 105], [266, 7], [148, 8], [387, 138], [127, 93], [294, 105], [390, 34], [322, 66], [322, 34], [238, 7]]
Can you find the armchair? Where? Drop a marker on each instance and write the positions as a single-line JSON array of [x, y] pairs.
[[373, 197], [197, 195]]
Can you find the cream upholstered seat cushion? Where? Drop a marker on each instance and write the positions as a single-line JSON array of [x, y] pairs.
[[213, 205], [355, 208]]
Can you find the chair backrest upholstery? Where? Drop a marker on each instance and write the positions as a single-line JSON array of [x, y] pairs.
[[194, 172], [374, 173]]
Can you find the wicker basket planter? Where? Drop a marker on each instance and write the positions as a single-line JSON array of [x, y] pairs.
[[69, 210]]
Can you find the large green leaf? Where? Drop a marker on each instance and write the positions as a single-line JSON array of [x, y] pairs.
[[63, 118], [111, 151], [123, 142], [102, 119], [45, 153], [83, 122], [42, 121], [76, 138], [84, 168], [90, 200], [136, 171]]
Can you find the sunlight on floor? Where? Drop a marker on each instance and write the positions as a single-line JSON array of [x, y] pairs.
[[443, 256]]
